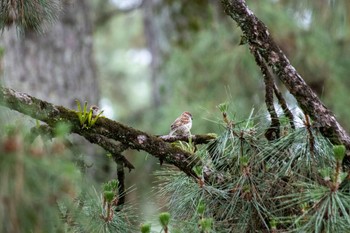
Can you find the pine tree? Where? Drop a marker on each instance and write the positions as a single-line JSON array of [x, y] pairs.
[[264, 173]]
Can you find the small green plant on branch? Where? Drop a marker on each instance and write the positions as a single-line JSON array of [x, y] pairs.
[[205, 224], [110, 199], [145, 228], [164, 219], [190, 146], [87, 118]]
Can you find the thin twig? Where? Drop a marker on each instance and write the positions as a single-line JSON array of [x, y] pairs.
[[121, 185], [284, 106], [273, 132]]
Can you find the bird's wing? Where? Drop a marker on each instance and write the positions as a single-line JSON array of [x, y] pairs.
[[177, 123]]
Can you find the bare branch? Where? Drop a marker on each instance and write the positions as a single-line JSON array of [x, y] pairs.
[[121, 185], [284, 106], [273, 132]]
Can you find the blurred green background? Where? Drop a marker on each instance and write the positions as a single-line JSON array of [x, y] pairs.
[[157, 58]]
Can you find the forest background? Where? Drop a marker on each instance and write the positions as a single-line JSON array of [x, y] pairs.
[[152, 60]]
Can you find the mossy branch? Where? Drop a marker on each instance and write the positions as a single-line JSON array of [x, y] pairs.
[[259, 38], [103, 132]]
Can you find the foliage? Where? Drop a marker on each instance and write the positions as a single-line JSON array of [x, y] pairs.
[[28, 14], [146, 228], [214, 68], [87, 119], [295, 183], [123, 220], [43, 190], [248, 184]]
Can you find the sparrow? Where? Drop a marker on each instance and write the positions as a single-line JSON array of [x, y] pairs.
[[95, 110], [182, 125]]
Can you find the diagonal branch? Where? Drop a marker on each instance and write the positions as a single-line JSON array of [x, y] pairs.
[[104, 128], [273, 132], [284, 105], [259, 37]]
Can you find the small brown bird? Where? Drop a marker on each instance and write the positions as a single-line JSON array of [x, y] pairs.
[[182, 125], [95, 110]]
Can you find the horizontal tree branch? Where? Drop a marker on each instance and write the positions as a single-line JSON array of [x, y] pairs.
[[196, 139], [103, 129], [259, 38]]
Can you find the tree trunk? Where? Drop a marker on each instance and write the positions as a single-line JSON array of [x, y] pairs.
[[157, 25], [56, 65]]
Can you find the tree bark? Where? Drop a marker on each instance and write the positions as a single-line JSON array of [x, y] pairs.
[[157, 27], [56, 65], [259, 38]]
